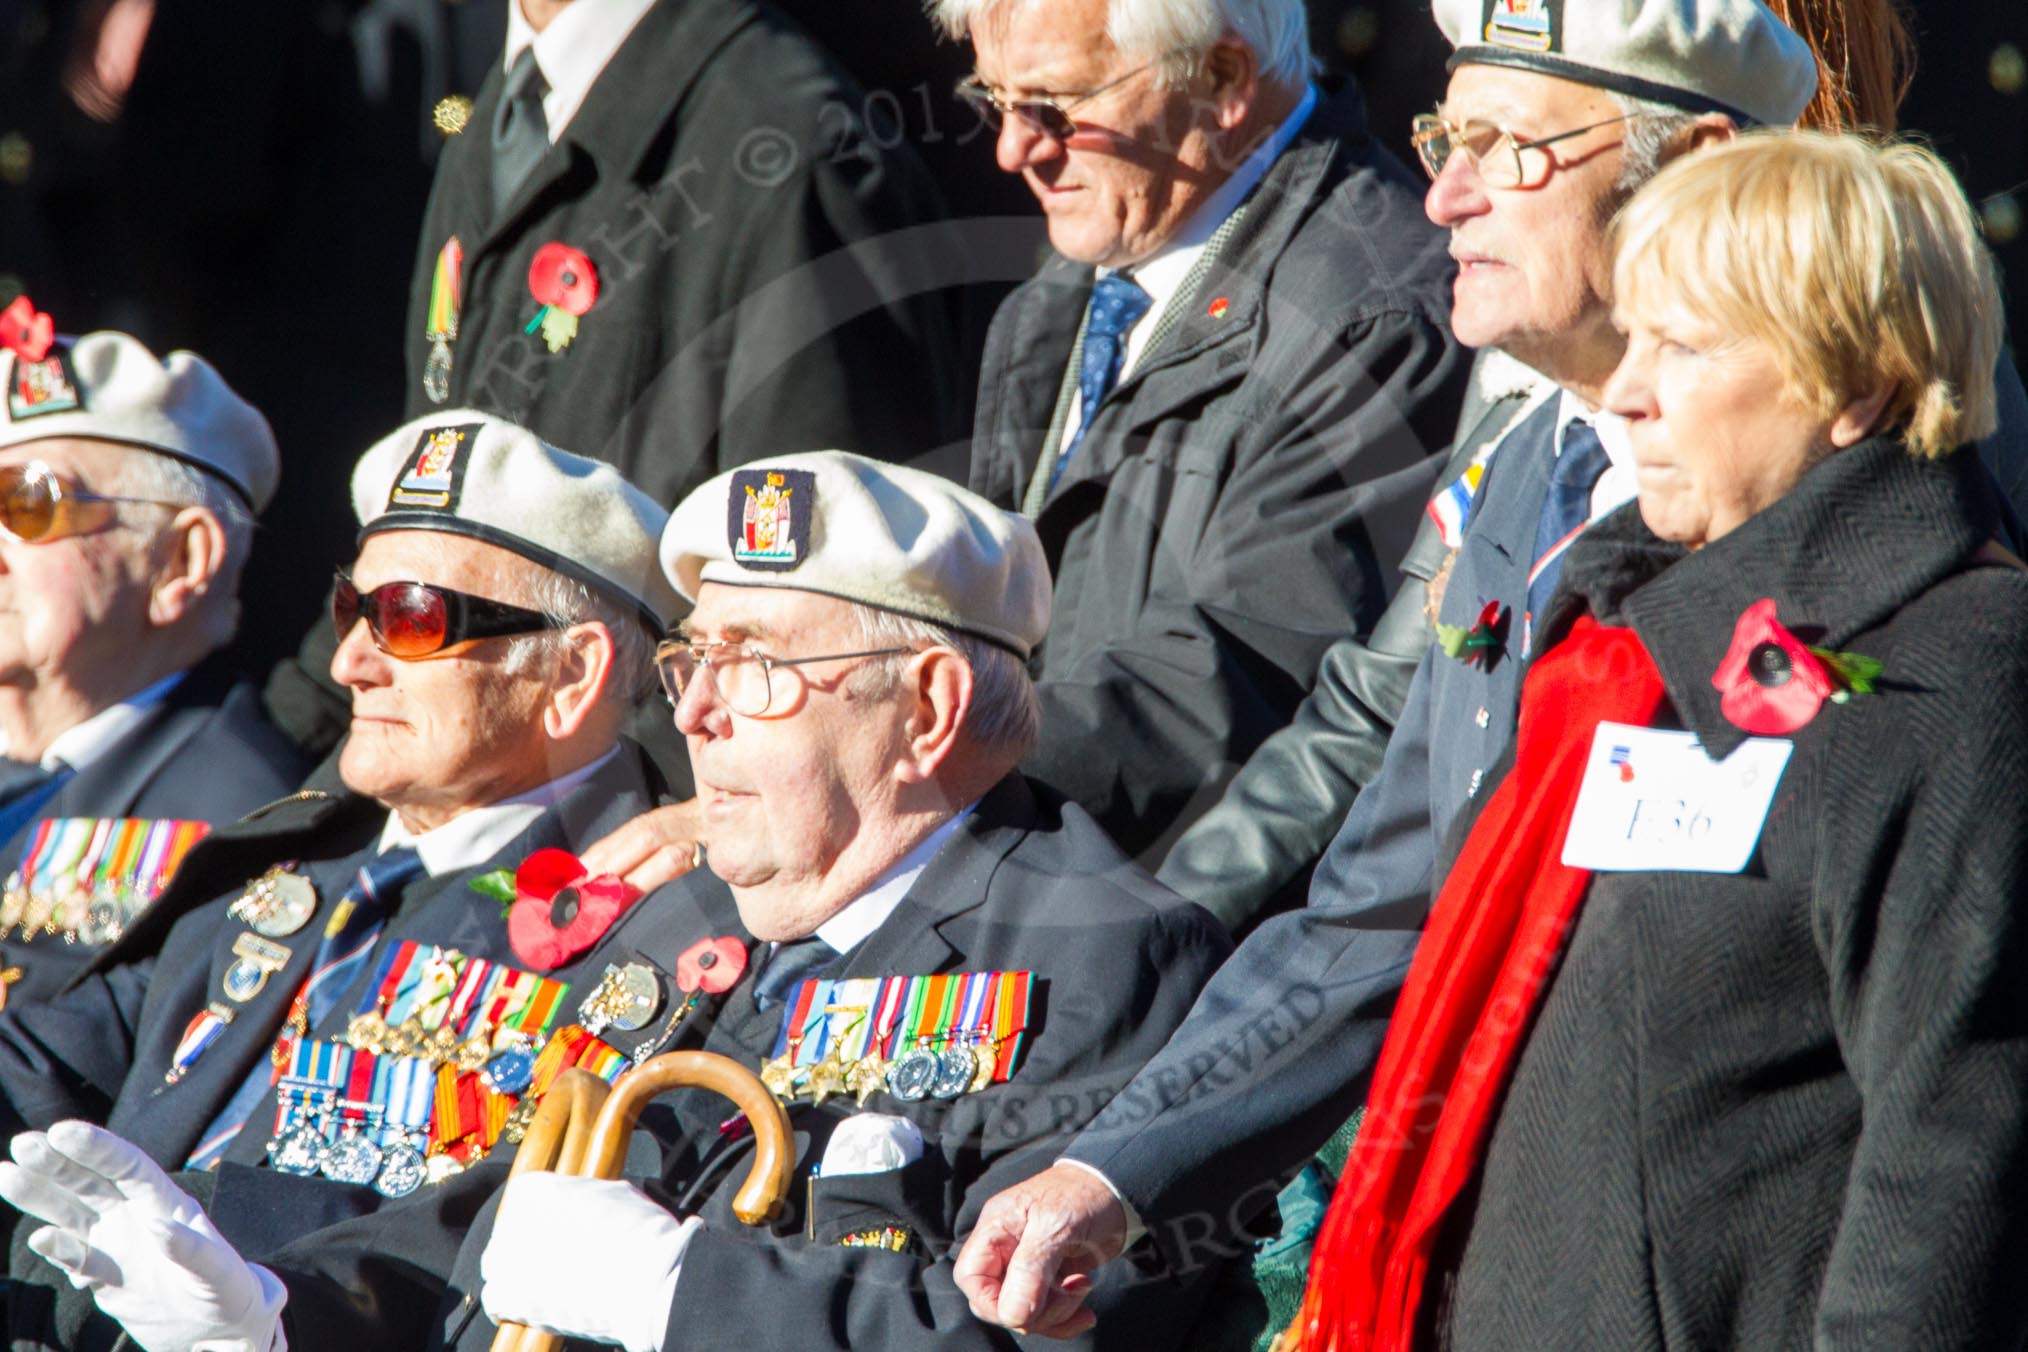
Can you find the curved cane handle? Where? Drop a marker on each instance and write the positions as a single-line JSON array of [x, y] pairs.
[[557, 1138], [774, 1160]]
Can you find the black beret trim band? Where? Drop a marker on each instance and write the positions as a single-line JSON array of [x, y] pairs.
[[239, 490], [1542, 63], [1002, 644], [527, 549]]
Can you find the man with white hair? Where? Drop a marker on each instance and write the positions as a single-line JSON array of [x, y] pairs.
[[128, 487], [1219, 401], [1553, 116], [276, 1026], [938, 967]]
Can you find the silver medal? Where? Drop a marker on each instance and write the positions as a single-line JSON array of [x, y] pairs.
[[402, 1171], [955, 1068], [913, 1072], [352, 1159]]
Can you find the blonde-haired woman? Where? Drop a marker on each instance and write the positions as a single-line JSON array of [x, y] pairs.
[[1718, 1036]]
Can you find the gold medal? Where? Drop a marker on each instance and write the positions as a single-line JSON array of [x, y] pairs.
[[367, 1032], [866, 1078], [780, 1078]]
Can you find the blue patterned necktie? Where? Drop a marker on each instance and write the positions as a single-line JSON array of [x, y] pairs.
[[1565, 512], [520, 130], [349, 935], [1117, 304], [789, 965]]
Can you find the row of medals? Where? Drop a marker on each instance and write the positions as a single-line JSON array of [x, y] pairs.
[[36, 910], [921, 1072], [505, 1063]]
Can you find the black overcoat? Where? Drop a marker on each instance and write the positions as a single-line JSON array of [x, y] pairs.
[[1788, 1107], [1243, 496]]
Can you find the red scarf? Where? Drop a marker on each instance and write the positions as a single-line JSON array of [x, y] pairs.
[[1494, 939]]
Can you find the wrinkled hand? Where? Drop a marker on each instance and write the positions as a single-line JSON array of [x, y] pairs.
[[1027, 1264], [118, 1227], [657, 847], [584, 1256]]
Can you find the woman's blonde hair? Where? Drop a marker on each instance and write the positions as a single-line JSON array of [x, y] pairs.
[[1857, 262]]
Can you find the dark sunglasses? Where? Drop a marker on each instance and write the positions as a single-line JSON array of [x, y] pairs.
[[1047, 113], [410, 620]]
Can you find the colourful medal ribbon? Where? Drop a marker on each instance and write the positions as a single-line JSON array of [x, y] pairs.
[[201, 1032], [544, 1002], [893, 1000], [852, 1005], [1010, 1021], [446, 283], [411, 1092], [972, 1007], [814, 1000], [472, 982], [911, 1023]]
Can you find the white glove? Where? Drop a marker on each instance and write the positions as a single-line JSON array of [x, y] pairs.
[[871, 1143], [147, 1252], [586, 1257]]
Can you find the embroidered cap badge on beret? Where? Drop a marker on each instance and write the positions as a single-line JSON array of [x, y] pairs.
[[1703, 56], [469, 473], [885, 536], [109, 387]]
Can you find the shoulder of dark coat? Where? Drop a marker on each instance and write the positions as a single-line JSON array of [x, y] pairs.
[[1363, 247], [1067, 864]]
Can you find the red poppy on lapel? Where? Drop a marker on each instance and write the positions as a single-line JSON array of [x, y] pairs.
[[711, 965], [1771, 682], [559, 910], [1480, 643]]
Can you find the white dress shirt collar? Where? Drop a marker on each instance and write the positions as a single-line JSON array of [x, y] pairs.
[[870, 909], [474, 836], [86, 743], [573, 50]]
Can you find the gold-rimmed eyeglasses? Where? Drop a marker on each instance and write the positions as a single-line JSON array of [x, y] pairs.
[[38, 505], [1047, 113], [1491, 147], [747, 679]]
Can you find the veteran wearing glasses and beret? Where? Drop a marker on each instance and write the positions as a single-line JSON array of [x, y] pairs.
[[1721, 1005], [128, 489], [350, 992], [939, 967]]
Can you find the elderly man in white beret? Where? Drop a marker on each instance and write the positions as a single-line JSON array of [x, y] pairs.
[[277, 1025], [128, 488], [937, 966], [1554, 115]]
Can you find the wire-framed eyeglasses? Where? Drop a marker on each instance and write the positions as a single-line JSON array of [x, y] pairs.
[[1047, 113], [749, 681], [1491, 147]]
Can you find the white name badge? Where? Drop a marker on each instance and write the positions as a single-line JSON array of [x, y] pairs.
[[1653, 800]]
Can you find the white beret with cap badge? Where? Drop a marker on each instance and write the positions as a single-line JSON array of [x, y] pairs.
[[109, 387], [885, 536], [1703, 56], [469, 473]]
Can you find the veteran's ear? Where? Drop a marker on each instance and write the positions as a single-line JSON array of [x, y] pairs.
[[191, 554], [938, 684]]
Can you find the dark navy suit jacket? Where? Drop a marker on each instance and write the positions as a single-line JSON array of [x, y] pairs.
[[205, 752], [1276, 1054]]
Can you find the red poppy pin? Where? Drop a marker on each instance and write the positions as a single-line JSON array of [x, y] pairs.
[[564, 283], [26, 330], [560, 910], [1479, 643], [1771, 682], [1218, 307], [711, 965]]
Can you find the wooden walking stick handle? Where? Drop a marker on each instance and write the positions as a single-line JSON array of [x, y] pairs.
[[774, 1158], [558, 1136]]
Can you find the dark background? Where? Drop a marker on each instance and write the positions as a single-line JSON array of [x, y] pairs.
[[256, 198]]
